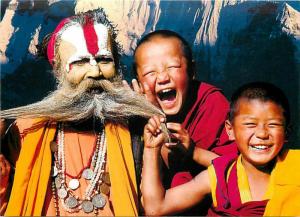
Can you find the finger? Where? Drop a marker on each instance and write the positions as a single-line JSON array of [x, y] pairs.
[[171, 144], [125, 84], [136, 87], [174, 127], [153, 125], [4, 165], [176, 136]]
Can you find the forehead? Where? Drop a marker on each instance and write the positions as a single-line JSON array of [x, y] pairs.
[[256, 106], [160, 46], [170, 42], [87, 40]]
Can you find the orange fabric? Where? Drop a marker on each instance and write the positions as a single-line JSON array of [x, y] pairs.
[[32, 174], [34, 164], [285, 200], [121, 170]]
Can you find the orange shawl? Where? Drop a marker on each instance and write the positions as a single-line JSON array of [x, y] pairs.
[[285, 200], [34, 165]]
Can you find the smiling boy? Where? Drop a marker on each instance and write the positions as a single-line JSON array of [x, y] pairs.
[[260, 182]]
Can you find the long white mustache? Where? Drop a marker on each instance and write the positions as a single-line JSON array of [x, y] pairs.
[[115, 103]]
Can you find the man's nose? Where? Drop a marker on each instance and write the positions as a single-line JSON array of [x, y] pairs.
[[94, 71]]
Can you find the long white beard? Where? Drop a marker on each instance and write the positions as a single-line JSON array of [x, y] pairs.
[[115, 103]]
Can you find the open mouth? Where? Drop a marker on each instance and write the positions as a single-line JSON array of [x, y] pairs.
[[167, 94]]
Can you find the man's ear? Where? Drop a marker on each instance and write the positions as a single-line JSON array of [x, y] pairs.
[[229, 130]]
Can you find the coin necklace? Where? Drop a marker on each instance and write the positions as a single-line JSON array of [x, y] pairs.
[[92, 199]]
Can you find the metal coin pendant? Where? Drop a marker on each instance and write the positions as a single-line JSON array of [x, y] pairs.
[[104, 188], [87, 174], [62, 193], [99, 201], [71, 202], [87, 206], [73, 184], [106, 178], [54, 171]]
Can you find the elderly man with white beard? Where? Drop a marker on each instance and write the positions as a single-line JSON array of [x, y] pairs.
[[76, 155]]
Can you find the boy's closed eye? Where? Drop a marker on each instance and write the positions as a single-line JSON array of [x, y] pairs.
[[250, 124], [275, 125]]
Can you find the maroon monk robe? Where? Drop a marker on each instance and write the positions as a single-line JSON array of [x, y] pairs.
[[203, 116], [227, 192], [205, 120]]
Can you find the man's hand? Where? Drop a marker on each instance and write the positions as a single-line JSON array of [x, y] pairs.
[[142, 89], [153, 135]]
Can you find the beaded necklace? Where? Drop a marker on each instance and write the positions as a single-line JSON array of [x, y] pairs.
[[92, 199]]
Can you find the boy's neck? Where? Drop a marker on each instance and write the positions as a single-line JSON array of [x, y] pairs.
[[258, 170], [267, 168], [258, 178]]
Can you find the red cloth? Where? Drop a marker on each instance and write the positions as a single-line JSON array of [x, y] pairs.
[[205, 114], [228, 194], [205, 120]]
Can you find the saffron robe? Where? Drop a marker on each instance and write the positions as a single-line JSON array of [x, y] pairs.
[[285, 199], [34, 164], [230, 189], [233, 197]]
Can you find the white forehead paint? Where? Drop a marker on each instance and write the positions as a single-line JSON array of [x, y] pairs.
[[102, 33], [74, 35]]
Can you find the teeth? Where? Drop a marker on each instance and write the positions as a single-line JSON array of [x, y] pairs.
[[166, 90], [260, 147]]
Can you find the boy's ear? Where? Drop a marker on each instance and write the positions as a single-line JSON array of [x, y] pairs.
[[229, 130]]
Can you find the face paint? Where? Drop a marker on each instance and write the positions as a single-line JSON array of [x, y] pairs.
[[90, 42]]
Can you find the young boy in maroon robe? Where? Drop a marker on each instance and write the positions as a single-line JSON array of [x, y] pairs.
[[196, 111], [258, 122]]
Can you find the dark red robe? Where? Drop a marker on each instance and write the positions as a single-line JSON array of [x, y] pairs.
[[227, 192], [203, 115]]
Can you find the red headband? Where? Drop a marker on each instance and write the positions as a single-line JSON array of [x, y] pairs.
[[51, 43]]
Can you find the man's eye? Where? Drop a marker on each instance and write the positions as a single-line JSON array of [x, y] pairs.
[[104, 59], [81, 61]]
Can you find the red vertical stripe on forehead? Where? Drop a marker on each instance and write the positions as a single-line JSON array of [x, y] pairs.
[[90, 36]]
